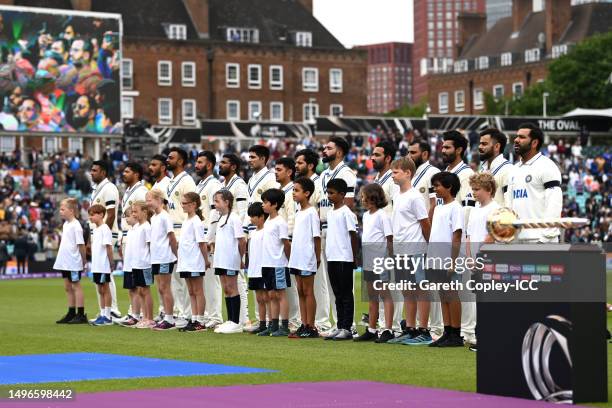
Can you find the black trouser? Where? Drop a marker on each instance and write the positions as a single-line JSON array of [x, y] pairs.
[[341, 279], [21, 264]]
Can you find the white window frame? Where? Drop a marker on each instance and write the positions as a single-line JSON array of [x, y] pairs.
[[256, 83], [459, 107], [189, 120], [74, 144], [514, 93], [251, 104], [127, 73], [282, 112], [559, 50], [482, 62], [232, 83], [227, 110], [164, 119], [54, 142], [506, 59], [177, 32], [532, 55], [478, 102], [498, 86], [338, 87], [336, 106], [245, 35], [307, 114], [442, 107], [127, 107], [310, 87], [8, 144], [303, 39], [460, 66], [276, 85], [164, 80], [187, 81]]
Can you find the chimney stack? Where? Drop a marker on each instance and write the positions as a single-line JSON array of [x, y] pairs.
[[470, 24], [520, 10], [7, 2], [307, 5], [81, 5], [558, 16], [198, 11]]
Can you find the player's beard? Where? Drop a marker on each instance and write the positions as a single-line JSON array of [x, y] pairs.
[[378, 166], [223, 172], [448, 158], [521, 149], [328, 159], [201, 173], [486, 155], [418, 162]]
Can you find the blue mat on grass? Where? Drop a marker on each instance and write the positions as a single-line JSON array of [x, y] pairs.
[[40, 368]]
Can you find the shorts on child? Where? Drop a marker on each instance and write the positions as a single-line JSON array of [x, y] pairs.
[[142, 277], [188, 275], [225, 272], [413, 273], [256, 284], [299, 272], [100, 278], [72, 276], [163, 269], [128, 280], [276, 278], [371, 276], [442, 276]]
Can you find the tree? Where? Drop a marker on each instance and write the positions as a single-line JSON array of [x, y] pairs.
[[409, 111]]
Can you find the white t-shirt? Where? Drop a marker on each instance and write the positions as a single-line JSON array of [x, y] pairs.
[[161, 226], [376, 229], [307, 227], [190, 258], [275, 231], [409, 209], [140, 245], [255, 251], [101, 237], [340, 223], [447, 218], [68, 255], [227, 255], [477, 226]]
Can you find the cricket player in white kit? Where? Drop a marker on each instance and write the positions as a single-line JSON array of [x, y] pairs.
[[206, 189], [491, 149], [535, 185], [180, 184], [106, 193]]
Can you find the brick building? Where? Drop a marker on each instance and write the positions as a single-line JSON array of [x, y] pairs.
[[513, 54], [435, 34], [389, 76]]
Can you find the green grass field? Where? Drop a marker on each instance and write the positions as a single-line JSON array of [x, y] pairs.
[[29, 309]]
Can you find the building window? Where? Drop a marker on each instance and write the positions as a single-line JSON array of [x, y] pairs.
[[517, 90], [255, 76], [459, 101], [164, 73], [255, 110], [559, 50], [127, 73], [460, 66], [310, 112], [75, 144], [164, 111], [50, 144], [177, 31], [310, 79], [189, 111], [245, 35], [478, 99], [335, 80], [443, 102], [498, 92], [335, 110], [482, 63], [276, 77], [303, 39], [232, 75], [532, 55], [506, 59], [188, 74], [7, 144], [276, 111], [232, 110], [127, 107]]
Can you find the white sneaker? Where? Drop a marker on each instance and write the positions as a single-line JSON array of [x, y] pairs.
[[329, 333], [120, 319], [180, 322], [212, 324], [231, 328], [221, 326]]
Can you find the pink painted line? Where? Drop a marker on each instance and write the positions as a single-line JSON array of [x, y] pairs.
[[353, 394]]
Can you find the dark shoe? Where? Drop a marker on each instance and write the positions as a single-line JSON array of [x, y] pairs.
[[189, 327], [79, 319], [385, 336], [452, 341], [310, 333], [281, 332], [367, 336], [266, 332], [441, 339], [258, 330], [296, 334], [164, 325], [68, 317], [473, 347]]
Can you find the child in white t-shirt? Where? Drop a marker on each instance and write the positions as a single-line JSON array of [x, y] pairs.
[[71, 262], [444, 246], [305, 255], [127, 252], [163, 255], [341, 253], [230, 246], [483, 187], [141, 262], [101, 261], [376, 244], [256, 282], [193, 259], [276, 250]]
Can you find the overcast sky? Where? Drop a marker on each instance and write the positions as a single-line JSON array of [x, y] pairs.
[[360, 22]]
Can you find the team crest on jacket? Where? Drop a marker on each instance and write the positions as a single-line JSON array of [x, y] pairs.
[[98, 200], [259, 191], [176, 193], [203, 197], [422, 190], [528, 178], [130, 202]]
